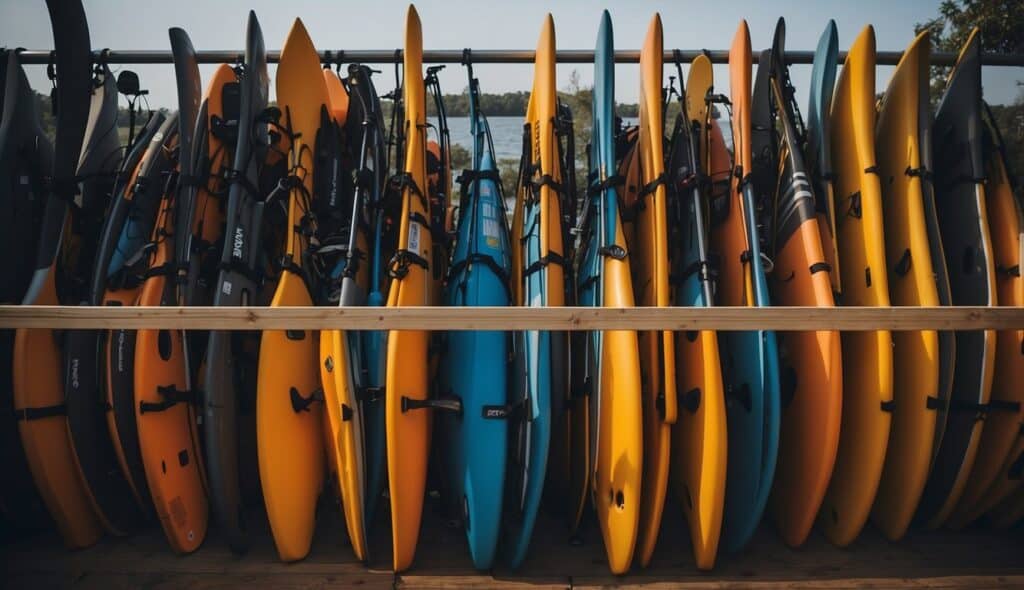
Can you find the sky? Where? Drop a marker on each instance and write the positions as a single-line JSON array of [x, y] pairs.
[[483, 24]]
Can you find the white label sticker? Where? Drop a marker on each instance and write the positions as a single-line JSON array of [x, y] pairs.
[[414, 236], [226, 289]]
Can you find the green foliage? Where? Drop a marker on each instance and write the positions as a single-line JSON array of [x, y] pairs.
[[1001, 26], [1000, 23], [461, 158]]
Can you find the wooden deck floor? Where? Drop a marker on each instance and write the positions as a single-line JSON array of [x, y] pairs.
[[977, 558]]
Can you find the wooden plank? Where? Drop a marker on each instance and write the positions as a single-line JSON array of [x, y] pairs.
[[513, 318]]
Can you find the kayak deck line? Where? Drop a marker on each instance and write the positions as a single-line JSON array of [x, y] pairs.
[[494, 56], [514, 318]]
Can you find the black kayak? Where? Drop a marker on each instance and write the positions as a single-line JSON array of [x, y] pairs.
[[959, 177], [26, 157]]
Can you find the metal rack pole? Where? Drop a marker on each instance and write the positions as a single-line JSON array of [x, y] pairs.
[[508, 56]]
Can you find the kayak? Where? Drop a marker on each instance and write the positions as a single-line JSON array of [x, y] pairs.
[[699, 439], [612, 362], [996, 462], [645, 225], [902, 150], [867, 356], [750, 365], [810, 384], [244, 278], [26, 158], [416, 269], [289, 417], [818, 146], [351, 369], [963, 223], [39, 400], [475, 365], [538, 280]]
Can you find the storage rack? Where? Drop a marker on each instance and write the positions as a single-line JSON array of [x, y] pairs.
[[509, 318]]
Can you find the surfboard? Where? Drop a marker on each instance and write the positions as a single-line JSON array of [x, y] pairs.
[[810, 362], [39, 401], [750, 366], [901, 151], [963, 223], [289, 421], [1003, 424], [645, 224], [867, 356]]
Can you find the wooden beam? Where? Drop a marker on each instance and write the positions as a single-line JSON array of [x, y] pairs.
[[513, 318]]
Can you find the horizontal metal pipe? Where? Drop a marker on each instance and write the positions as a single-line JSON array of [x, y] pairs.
[[510, 56]]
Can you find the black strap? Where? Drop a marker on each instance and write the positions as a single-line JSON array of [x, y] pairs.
[[820, 266], [542, 263], [920, 171], [171, 396], [488, 261], [871, 170], [449, 403], [888, 405], [612, 251], [300, 403], [935, 403], [547, 180], [1012, 271], [612, 181], [398, 266], [1003, 405], [369, 394], [653, 185], [30, 414], [468, 177]]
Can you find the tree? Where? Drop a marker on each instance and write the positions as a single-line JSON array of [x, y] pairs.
[[1001, 26]]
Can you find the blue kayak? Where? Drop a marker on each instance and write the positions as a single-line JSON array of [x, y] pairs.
[[750, 360], [475, 364], [818, 149]]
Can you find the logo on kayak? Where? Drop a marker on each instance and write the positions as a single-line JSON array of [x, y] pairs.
[[236, 249], [495, 412], [74, 373]]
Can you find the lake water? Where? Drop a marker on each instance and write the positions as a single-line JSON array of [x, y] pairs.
[[507, 134]]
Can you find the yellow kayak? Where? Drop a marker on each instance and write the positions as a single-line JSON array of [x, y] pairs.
[[867, 356], [902, 149]]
